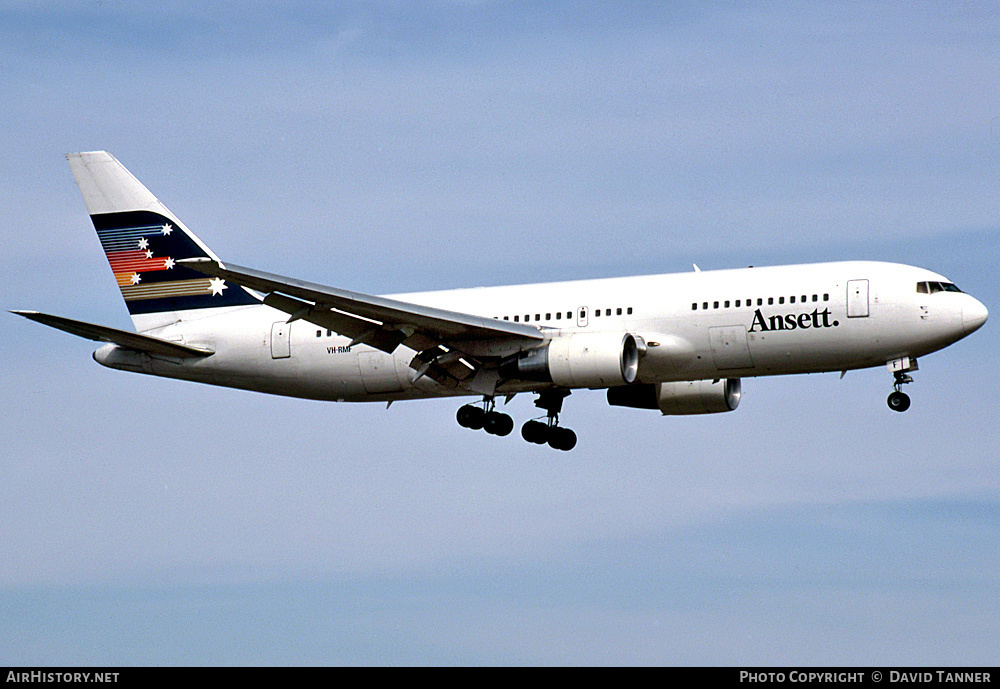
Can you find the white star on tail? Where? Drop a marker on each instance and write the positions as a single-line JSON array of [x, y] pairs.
[[143, 243], [135, 278], [217, 284], [168, 263], [167, 229]]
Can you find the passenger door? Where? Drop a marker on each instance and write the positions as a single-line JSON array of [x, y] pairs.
[[857, 298], [280, 341]]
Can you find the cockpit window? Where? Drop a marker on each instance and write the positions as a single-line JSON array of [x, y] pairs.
[[933, 287]]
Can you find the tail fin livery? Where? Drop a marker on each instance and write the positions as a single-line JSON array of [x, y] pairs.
[[143, 242]]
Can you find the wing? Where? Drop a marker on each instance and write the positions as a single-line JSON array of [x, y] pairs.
[[122, 338], [452, 348]]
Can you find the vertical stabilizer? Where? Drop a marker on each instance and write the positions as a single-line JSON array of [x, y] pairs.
[[143, 242]]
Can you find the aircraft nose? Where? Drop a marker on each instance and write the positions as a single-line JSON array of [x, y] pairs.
[[974, 314]]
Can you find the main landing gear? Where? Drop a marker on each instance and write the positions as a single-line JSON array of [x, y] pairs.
[[485, 417], [549, 431], [534, 431]]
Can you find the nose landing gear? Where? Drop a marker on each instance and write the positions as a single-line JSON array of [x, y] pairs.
[[899, 400]]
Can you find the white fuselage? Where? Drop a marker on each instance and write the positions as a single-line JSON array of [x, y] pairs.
[[694, 326]]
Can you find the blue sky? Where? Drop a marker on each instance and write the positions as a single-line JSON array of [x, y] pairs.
[[409, 146]]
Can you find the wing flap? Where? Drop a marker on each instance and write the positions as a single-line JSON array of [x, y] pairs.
[[122, 338]]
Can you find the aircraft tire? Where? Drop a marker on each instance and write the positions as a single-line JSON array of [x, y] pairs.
[[469, 416], [898, 401], [562, 439], [497, 423], [535, 432]]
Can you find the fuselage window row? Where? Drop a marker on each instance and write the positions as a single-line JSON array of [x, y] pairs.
[[618, 311], [748, 303]]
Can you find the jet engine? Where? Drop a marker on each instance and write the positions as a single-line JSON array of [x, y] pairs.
[[581, 360], [685, 397]]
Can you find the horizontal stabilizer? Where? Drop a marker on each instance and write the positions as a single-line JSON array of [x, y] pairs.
[[122, 338]]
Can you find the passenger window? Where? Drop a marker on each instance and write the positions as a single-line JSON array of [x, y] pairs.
[[515, 319], [715, 304], [629, 312], [826, 297], [548, 316], [770, 301], [607, 312], [726, 304], [704, 305], [559, 315], [694, 307], [791, 300], [781, 300], [737, 303], [597, 312], [618, 312]]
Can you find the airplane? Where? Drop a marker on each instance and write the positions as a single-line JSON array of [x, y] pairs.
[[678, 343]]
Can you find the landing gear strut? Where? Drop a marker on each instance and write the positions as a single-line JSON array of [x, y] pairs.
[[485, 417], [899, 400], [549, 431]]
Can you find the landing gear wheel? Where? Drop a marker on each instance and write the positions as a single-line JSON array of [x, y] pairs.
[[469, 416], [561, 438], [898, 401], [535, 432], [496, 423]]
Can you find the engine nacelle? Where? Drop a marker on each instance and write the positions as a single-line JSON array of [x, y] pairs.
[[581, 360], [685, 397]]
